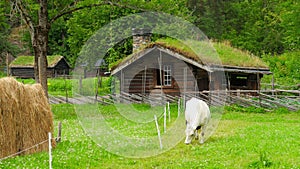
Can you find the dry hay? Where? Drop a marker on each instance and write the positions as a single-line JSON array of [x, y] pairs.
[[25, 118]]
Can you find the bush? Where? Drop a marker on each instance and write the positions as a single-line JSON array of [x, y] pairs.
[[286, 69]]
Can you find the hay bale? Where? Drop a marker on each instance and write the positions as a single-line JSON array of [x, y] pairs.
[[25, 118]]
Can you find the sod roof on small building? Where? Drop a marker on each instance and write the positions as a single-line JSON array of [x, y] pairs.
[[28, 61], [211, 54], [225, 54]]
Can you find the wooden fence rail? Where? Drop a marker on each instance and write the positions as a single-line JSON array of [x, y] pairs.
[[269, 99]]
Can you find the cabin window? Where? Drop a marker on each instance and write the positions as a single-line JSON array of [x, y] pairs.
[[165, 78], [167, 75]]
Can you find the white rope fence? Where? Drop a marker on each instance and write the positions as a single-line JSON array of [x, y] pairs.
[[166, 111], [166, 108], [34, 146]]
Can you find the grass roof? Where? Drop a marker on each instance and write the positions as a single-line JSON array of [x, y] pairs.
[[28, 61], [206, 53], [215, 54]]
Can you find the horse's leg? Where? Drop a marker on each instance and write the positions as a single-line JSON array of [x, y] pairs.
[[201, 140]]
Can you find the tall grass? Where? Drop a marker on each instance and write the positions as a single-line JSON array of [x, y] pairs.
[[244, 139], [59, 86]]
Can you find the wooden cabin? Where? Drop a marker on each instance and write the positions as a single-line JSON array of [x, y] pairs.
[[162, 67], [22, 67]]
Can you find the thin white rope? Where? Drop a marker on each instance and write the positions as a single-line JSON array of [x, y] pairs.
[[24, 150]]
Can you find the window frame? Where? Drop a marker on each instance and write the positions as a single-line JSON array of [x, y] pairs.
[[163, 83]]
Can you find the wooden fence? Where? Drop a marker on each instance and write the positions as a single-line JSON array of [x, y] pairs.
[[268, 99]]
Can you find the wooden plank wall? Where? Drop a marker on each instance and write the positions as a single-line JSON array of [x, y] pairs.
[[134, 75]]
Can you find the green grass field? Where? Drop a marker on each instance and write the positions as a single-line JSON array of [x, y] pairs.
[[61, 86], [243, 139]]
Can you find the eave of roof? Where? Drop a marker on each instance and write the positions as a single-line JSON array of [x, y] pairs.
[[252, 70], [130, 59]]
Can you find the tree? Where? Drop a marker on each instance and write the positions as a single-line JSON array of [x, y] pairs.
[[5, 46], [39, 25], [84, 23], [40, 15]]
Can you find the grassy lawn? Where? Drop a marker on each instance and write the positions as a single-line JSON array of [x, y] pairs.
[[61, 86], [243, 139]]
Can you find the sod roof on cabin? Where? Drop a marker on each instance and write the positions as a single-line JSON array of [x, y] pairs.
[[225, 54], [28, 61], [218, 54]]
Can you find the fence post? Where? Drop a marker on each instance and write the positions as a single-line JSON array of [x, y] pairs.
[[165, 120], [50, 147], [178, 107], [169, 113], [158, 132]]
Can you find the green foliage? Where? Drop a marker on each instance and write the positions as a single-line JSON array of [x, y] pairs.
[[5, 45], [2, 74], [285, 67], [258, 26], [58, 39], [85, 23]]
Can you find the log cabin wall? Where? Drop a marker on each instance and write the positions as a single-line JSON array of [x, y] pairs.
[[143, 75], [22, 72], [217, 81], [60, 68]]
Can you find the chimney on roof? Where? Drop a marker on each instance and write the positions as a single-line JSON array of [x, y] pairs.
[[141, 36]]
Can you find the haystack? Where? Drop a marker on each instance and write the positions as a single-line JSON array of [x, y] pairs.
[[25, 118]]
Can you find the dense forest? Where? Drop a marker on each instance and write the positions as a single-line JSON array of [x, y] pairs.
[[267, 28]]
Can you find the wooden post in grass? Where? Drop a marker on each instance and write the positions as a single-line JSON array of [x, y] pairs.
[[98, 84], [178, 108], [50, 149], [158, 132], [58, 138], [165, 120], [169, 113]]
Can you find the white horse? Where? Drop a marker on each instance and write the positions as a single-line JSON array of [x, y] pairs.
[[197, 116]]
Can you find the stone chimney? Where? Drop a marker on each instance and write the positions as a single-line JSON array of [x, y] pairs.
[[141, 36]]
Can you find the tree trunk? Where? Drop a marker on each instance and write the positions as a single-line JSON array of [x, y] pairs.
[[41, 40], [34, 43]]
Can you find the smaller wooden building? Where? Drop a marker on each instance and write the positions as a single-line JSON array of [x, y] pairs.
[[99, 68], [23, 66]]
